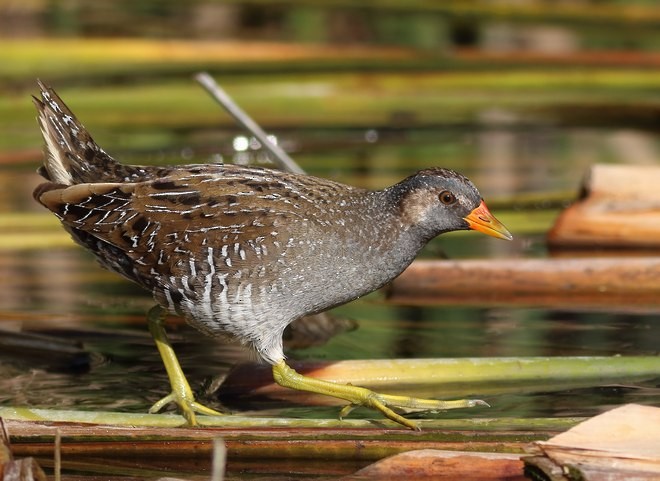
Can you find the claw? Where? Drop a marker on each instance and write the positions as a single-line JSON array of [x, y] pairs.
[[187, 406], [346, 410]]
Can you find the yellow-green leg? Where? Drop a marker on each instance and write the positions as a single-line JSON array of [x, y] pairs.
[[359, 396], [181, 393]]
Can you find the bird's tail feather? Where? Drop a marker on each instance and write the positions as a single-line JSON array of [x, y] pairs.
[[72, 156]]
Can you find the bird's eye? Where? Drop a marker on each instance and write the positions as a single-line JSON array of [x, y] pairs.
[[447, 197]]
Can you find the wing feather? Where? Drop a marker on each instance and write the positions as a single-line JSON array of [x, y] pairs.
[[143, 230]]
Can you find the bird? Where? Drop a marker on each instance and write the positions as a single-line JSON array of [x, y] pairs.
[[241, 251]]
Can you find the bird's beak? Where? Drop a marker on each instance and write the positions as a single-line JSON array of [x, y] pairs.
[[482, 220]]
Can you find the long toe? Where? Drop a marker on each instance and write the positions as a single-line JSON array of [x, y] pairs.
[[390, 406], [413, 404], [187, 406]]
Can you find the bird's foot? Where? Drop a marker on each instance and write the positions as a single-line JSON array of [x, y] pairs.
[[186, 404], [387, 404]]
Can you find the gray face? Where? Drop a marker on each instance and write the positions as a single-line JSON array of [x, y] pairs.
[[438, 200]]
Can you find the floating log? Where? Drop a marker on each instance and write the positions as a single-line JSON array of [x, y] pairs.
[[238, 423], [619, 207], [449, 378], [428, 464], [600, 281], [258, 445], [620, 445]]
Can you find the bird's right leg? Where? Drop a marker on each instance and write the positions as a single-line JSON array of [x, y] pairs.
[[181, 393]]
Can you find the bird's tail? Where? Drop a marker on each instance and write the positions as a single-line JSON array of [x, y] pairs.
[[72, 156]]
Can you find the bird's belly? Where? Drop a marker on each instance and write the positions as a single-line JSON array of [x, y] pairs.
[[251, 303]]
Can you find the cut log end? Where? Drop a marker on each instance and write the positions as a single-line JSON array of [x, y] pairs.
[[619, 207]]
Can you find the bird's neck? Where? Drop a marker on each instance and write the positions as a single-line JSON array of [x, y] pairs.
[[393, 243]]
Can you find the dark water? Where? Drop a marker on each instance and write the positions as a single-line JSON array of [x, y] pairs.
[[59, 291]]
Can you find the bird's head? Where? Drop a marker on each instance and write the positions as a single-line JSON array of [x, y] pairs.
[[441, 200]]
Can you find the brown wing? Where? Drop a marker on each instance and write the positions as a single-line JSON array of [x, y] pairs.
[[165, 230]]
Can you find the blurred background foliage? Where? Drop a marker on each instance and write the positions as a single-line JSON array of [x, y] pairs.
[[520, 95], [328, 66]]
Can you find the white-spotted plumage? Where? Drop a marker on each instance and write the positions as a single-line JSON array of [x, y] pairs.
[[236, 250]]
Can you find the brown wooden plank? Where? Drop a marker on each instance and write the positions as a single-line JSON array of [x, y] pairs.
[[131, 450], [620, 207], [431, 464], [565, 281], [620, 444]]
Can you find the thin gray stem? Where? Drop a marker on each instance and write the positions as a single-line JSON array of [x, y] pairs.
[[244, 120]]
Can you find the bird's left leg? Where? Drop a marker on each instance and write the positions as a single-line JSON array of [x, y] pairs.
[[359, 396], [181, 393]]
